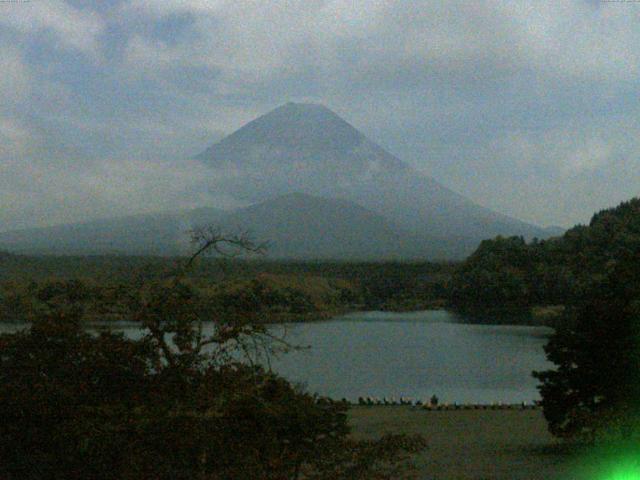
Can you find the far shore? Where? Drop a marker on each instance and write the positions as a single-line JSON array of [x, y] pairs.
[[540, 316]]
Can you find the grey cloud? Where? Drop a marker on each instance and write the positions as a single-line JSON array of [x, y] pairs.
[[526, 107], [46, 193], [68, 26]]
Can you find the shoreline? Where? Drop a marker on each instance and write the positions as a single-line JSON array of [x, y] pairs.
[[333, 314]]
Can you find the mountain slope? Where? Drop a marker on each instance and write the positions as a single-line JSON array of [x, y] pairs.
[[358, 201], [304, 226], [295, 226], [308, 148], [149, 234]]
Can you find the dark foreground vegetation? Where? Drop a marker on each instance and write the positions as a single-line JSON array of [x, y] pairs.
[[594, 391], [175, 404]]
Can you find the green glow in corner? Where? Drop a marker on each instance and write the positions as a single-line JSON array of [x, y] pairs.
[[626, 467], [615, 460], [625, 472]]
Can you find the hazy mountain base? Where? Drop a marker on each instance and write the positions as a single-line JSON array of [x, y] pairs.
[[293, 226], [151, 234]]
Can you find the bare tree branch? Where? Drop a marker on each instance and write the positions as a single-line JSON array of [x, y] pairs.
[[211, 238], [207, 239]]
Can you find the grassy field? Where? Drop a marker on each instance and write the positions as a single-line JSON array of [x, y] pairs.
[[475, 444]]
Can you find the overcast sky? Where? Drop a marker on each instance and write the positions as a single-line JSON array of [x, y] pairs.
[[528, 107]]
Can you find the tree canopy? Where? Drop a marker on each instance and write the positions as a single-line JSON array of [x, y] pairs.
[[595, 387], [594, 272], [509, 274]]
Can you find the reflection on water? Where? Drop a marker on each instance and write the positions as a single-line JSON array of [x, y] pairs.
[[414, 354]]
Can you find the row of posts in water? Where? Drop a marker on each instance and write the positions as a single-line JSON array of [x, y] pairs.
[[434, 404]]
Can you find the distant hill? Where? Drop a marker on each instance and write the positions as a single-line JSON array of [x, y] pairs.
[[308, 148], [553, 231], [301, 226], [295, 226], [150, 234]]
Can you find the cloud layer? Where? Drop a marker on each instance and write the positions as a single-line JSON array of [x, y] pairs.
[[526, 107]]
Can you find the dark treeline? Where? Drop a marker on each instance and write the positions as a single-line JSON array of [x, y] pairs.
[[509, 275], [109, 288]]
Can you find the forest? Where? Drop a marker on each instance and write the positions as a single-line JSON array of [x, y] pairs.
[[78, 405], [108, 288], [511, 276]]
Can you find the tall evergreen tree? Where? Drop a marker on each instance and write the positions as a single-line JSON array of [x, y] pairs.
[[596, 385]]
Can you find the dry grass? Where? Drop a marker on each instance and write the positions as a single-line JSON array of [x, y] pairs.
[[472, 444]]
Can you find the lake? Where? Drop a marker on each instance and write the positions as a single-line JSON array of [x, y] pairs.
[[415, 354]]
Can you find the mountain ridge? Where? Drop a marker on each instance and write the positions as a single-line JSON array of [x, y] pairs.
[[299, 226], [331, 158], [316, 186]]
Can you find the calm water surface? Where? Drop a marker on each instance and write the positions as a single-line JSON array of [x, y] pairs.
[[415, 354]]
